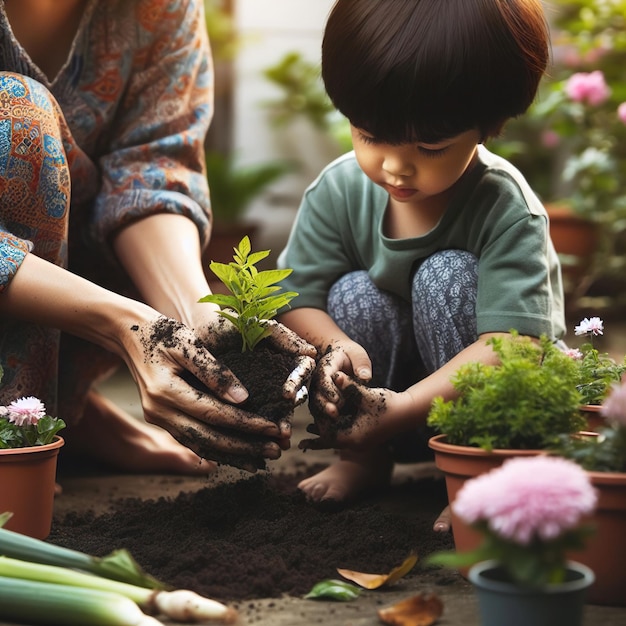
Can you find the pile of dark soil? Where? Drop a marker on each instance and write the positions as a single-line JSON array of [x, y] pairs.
[[259, 538]]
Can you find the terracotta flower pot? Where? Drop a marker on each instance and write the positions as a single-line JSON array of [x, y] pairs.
[[595, 420], [605, 550], [503, 602], [27, 476], [576, 240], [459, 464]]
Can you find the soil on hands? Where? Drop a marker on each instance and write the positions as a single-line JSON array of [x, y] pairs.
[[262, 371], [353, 403], [259, 538]]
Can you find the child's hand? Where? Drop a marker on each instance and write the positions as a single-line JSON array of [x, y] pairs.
[[326, 397], [360, 421]]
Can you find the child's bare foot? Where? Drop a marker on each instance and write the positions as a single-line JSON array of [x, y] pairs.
[[444, 521], [109, 435], [348, 478]]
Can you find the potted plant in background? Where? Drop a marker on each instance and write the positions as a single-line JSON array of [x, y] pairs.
[[603, 456], [232, 188], [311, 129], [516, 408], [597, 371], [29, 446], [529, 513], [571, 145]]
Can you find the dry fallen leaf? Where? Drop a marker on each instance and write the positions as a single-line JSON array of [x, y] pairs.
[[373, 581], [420, 610]]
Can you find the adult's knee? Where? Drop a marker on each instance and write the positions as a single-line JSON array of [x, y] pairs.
[[33, 162], [22, 96]]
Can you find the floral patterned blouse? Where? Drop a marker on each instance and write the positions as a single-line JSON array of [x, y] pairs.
[[136, 93], [126, 116]]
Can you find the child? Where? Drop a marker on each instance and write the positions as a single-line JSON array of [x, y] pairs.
[[410, 252]]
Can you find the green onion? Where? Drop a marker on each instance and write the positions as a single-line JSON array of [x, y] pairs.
[[47, 603], [118, 565], [181, 605]]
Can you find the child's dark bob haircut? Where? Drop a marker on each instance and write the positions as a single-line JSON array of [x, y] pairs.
[[428, 70]]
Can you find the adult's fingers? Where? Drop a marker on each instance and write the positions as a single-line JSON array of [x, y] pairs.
[[298, 377], [288, 341], [302, 395], [222, 445], [170, 344]]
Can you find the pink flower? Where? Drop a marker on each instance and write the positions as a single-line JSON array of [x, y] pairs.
[[550, 139], [614, 406], [26, 411], [590, 326], [528, 498], [621, 112], [590, 88], [574, 353]]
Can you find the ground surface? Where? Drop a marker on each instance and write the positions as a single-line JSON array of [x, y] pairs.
[[253, 542]]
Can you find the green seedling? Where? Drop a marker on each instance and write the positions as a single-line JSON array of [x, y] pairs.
[[254, 296]]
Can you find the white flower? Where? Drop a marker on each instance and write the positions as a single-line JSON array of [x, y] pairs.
[[26, 411], [590, 326]]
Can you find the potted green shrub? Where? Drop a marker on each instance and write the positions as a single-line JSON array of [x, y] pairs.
[[516, 408], [252, 300]]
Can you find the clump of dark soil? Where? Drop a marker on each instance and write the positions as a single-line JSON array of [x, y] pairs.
[[259, 538], [263, 372]]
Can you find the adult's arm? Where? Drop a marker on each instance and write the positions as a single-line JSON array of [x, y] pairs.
[[42, 293]]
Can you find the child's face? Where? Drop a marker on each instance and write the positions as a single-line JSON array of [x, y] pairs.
[[415, 172]]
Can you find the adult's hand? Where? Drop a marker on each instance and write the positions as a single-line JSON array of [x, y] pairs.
[[204, 417], [219, 333]]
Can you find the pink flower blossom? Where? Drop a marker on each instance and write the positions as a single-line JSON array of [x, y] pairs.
[[550, 139], [26, 411], [614, 406], [574, 353], [590, 326], [528, 498], [589, 88], [621, 112]]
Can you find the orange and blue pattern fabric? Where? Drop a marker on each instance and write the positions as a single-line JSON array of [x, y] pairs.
[[115, 136]]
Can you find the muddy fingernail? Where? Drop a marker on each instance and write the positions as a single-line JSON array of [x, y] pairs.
[[237, 393]]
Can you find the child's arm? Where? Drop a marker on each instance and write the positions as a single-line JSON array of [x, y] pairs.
[[384, 413]]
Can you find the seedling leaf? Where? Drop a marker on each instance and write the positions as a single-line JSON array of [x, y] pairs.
[[253, 298]]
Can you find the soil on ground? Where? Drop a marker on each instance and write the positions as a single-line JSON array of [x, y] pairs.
[[259, 538]]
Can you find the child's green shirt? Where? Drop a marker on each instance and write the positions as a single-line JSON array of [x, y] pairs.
[[494, 214]]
